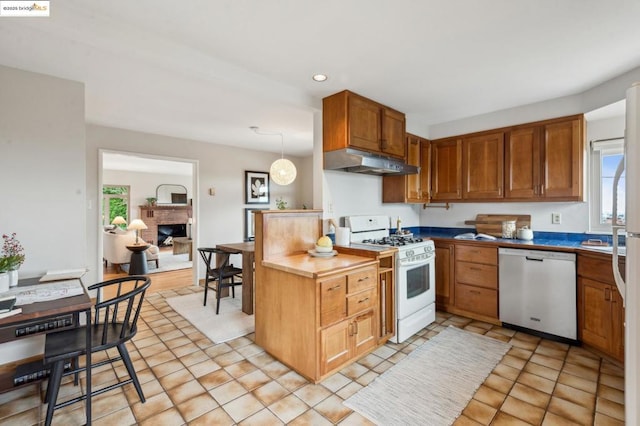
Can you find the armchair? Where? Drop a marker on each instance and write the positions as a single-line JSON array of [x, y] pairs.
[[114, 248]]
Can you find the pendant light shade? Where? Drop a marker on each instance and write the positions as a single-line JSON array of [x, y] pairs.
[[283, 171]]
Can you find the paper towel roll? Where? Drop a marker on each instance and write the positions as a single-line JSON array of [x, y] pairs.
[[342, 236]]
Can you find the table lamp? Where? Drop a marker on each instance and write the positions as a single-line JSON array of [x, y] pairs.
[[118, 220], [137, 225]]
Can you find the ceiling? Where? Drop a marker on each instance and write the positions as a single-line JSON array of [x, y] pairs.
[[207, 70]]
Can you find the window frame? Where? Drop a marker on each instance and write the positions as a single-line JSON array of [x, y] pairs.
[[105, 202], [611, 146]]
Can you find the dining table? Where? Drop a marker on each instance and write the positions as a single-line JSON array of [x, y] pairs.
[[247, 250]]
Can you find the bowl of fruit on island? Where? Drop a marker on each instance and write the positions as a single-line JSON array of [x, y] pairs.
[[324, 245]]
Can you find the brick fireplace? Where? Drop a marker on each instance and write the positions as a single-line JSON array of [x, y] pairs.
[[153, 216]]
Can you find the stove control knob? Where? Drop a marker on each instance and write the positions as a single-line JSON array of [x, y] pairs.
[[409, 253]]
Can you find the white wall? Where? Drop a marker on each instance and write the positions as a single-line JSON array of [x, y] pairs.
[[348, 194], [42, 168], [143, 185]]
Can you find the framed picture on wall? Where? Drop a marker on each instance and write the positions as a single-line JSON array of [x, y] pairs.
[[250, 224], [256, 187]]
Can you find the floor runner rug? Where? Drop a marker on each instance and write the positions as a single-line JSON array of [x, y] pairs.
[[230, 323], [433, 384]]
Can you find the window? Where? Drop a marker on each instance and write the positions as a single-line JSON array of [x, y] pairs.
[[115, 202], [605, 158]]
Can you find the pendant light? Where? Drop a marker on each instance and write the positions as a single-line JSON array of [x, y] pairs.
[[282, 171]]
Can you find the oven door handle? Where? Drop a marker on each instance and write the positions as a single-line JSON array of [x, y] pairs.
[[411, 265]]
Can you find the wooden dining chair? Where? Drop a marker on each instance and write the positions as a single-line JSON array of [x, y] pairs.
[[115, 323], [222, 274]]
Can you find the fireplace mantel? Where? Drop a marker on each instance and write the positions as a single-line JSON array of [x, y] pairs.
[[153, 216]]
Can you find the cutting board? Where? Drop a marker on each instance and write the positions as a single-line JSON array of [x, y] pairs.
[[492, 223]]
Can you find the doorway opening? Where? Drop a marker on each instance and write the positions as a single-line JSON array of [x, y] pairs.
[[129, 185]]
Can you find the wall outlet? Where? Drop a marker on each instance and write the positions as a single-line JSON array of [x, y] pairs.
[[556, 218]]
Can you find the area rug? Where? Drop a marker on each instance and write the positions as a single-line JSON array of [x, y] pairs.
[[167, 261], [433, 384], [230, 323]]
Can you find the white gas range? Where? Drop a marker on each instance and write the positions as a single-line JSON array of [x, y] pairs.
[[415, 271]]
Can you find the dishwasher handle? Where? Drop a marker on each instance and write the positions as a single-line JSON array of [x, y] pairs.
[[536, 259]]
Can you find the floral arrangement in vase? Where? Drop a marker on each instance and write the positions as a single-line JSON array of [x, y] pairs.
[[12, 253]]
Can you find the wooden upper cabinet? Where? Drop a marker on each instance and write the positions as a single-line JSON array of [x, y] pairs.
[[482, 166], [544, 160], [353, 121], [562, 154], [522, 163], [446, 169], [393, 133], [364, 124], [409, 188], [425, 170]]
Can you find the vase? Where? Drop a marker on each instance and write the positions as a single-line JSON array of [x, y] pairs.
[[4, 282], [13, 277]]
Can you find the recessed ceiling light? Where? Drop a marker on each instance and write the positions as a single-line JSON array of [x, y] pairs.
[[319, 77]]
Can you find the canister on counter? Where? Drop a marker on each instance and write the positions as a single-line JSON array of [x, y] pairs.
[[508, 229]]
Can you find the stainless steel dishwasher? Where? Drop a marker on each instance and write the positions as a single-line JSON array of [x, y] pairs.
[[538, 291]]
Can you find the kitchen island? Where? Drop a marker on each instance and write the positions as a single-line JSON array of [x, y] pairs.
[[314, 314]]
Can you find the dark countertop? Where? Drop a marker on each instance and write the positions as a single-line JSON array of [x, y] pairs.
[[562, 241], [559, 241]]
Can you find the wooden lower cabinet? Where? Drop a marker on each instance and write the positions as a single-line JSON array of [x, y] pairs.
[[600, 308], [346, 340], [476, 282], [357, 329], [318, 325], [445, 275]]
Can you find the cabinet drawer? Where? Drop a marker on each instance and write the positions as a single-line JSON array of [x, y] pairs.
[[598, 269], [361, 279], [477, 274], [480, 300], [361, 301], [333, 293], [488, 255]]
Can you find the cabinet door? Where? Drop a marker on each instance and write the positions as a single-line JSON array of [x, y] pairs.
[[617, 325], [393, 134], [562, 164], [365, 333], [414, 192], [482, 166], [446, 169], [335, 345], [425, 170], [444, 275], [596, 313], [410, 188], [522, 163], [364, 124]]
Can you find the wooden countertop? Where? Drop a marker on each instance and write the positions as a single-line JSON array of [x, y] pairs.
[[317, 267]]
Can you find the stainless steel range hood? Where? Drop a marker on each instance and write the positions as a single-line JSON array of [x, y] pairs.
[[355, 161]]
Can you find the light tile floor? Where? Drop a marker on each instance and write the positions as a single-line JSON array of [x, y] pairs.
[[189, 380]]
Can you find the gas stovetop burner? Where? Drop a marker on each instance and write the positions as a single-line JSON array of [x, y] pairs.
[[394, 241]]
